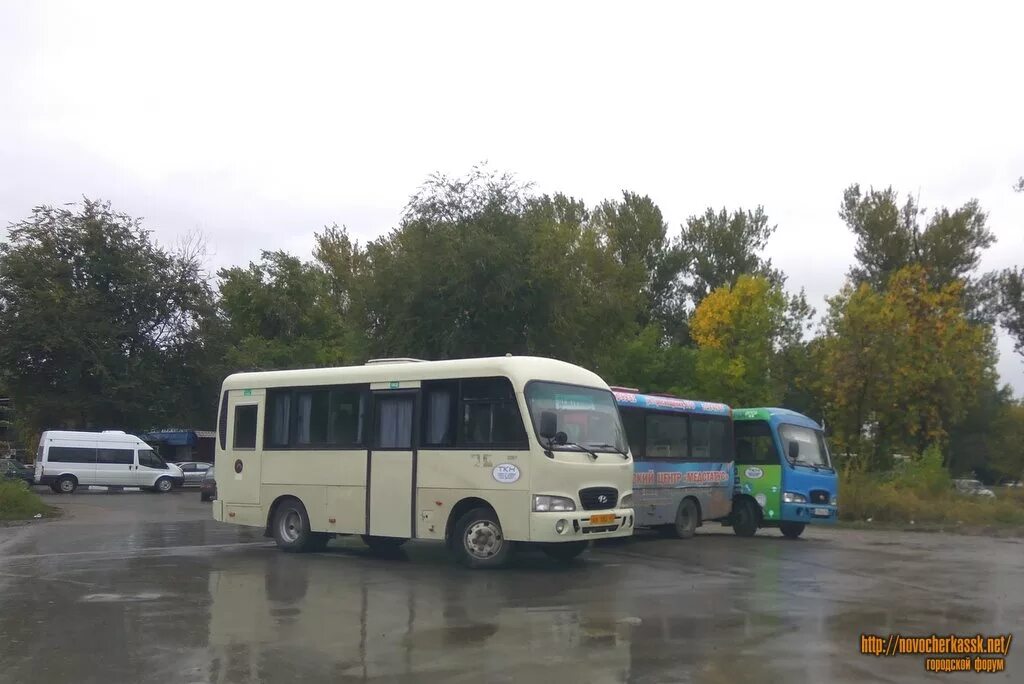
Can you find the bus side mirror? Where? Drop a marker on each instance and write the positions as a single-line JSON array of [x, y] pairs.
[[794, 450], [548, 424]]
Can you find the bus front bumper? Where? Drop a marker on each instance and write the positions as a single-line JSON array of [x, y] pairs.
[[581, 525], [812, 514]]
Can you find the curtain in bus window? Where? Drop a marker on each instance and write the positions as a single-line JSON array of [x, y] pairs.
[[439, 404], [280, 404], [394, 423]]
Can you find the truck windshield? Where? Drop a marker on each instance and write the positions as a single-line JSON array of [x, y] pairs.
[[588, 416], [813, 451]]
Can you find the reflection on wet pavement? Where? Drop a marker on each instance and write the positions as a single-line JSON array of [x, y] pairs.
[[147, 589]]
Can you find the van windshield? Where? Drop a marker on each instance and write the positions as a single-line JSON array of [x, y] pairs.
[[588, 416]]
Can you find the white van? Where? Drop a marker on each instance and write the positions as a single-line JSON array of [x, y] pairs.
[[111, 458]]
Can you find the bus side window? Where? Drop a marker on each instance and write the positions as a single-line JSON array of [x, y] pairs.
[[245, 426], [633, 421], [666, 436], [439, 413], [754, 445]]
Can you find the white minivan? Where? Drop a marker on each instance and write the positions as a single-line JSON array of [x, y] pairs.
[[111, 458]]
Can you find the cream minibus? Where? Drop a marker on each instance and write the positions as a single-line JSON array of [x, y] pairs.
[[479, 453]]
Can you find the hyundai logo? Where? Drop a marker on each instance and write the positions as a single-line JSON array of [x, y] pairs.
[[602, 499]]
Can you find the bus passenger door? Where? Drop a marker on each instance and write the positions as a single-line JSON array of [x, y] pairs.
[[390, 468], [239, 465]]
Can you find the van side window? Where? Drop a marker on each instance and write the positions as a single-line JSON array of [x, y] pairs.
[[59, 454], [115, 456], [245, 426]]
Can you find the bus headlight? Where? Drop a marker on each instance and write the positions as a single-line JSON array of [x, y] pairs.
[[626, 501], [793, 497], [543, 503]]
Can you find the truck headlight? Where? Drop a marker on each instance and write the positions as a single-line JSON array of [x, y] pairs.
[[626, 501], [793, 497], [542, 503]]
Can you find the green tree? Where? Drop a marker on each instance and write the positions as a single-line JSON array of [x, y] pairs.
[[99, 323], [718, 247], [282, 313]]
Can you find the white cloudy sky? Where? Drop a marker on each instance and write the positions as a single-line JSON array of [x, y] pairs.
[[258, 124]]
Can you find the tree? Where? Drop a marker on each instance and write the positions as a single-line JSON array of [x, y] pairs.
[[718, 247], [282, 313], [890, 237], [1011, 305], [902, 366], [739, 331], [98, 321]]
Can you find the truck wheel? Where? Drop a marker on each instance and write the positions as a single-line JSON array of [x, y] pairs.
[[744, 518], [66, 485], [479, 541], [564, 551], [687, 519], [791, 530]]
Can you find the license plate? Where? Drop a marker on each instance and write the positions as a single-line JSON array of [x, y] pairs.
[[602, 519], [823, 512]]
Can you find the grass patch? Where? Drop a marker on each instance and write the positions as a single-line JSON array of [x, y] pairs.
[[919, 493], [18, 502]]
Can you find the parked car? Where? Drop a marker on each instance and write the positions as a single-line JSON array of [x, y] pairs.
[[13, 470], [193, 472], [110, 458], [973, 488], [208, 486]]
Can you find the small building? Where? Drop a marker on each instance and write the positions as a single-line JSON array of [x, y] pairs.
[[178, 445]]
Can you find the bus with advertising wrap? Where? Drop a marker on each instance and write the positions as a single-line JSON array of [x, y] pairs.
[[479, 453], [784, 474], [683, 454]]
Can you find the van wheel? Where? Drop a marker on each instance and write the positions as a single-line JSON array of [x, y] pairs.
[[66, 485], [479, 542], [564, 551], [791, 530], [291, 529], [744, 518], [383, 544], [163, 485], [687, 519]]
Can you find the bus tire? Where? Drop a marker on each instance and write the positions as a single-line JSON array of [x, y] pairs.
[[744, 518], [479, 541], [564, 551], [687, 519], [383, 544], [290, 528], [791, 530], [66, 485]]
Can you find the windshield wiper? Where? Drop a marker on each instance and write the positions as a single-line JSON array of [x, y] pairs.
[[614, 448], [593, 454], [807, 463]]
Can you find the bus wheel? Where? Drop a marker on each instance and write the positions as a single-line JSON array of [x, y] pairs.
[[744, 519], [687, 518], [791, 530], [564, 551], [291, 528], [383, 544], [479, 541]]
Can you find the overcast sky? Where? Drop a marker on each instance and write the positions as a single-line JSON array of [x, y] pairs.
[[258, 124]]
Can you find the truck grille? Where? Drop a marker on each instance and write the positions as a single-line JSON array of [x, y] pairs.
[[819, 496], [598, 498]]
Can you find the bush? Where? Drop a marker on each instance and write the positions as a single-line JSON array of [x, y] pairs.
[[18, 502]]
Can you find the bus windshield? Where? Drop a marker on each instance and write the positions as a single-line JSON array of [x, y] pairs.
[[813, 451], [587, 416]]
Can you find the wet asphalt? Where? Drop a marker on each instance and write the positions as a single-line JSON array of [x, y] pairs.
[[138, 587]]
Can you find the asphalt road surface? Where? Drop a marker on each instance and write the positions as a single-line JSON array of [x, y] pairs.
[[138, 587]]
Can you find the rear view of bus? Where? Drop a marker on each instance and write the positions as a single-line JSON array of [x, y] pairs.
[[784, 474], [684, 460], [479, 453]]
